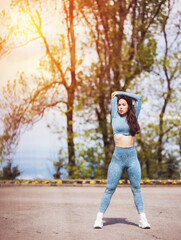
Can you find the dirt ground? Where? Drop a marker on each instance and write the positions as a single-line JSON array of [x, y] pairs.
[[68, 213]]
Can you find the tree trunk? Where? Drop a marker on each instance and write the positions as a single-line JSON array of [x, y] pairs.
[[160, 146], [161, 131], [71, 88], [103, 125], [146, 157], [70, 135]]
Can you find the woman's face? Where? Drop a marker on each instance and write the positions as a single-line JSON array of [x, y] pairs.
[[122, 107]]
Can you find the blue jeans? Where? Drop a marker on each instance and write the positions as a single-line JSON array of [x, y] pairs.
[[123, 158]]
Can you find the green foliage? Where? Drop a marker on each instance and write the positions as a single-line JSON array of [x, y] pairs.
[[171, 167], [147, 150], [9, 172], [93, 159], [147, 53], [89, 160], [80, 171], [59, 165]]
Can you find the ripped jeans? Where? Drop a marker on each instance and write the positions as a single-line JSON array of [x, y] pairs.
[[123, 158]]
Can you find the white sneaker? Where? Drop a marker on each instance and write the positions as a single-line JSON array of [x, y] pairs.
[[143, 223], [98, 222]]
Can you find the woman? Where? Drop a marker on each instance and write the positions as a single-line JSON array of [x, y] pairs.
[[125, 127]]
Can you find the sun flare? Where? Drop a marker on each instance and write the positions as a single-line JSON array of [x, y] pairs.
[[23, 25]]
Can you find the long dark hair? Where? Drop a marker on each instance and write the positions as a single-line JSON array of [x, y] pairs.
[[130, 116]]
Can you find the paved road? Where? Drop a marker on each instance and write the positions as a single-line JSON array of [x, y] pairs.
[[68, 213]]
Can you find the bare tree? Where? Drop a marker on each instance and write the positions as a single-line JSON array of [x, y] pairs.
[[123, 35], [47, 92]]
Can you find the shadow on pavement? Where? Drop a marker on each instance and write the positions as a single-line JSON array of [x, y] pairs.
[[110, 221]]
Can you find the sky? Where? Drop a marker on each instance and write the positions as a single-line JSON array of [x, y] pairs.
[[39, 146]]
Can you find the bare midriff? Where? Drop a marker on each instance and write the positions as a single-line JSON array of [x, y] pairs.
[[124, 140]]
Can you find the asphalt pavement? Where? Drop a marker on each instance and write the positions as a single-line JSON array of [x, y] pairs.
[[68, 213]]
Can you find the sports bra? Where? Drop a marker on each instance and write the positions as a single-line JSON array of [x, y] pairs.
[[119, 123]]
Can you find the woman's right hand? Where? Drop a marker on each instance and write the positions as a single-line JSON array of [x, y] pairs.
[[113, 94]]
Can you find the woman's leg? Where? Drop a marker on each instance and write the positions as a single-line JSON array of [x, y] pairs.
[[114, 175], [134, 174]]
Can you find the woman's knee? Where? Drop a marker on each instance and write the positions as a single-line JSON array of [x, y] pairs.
[[136, 188], [110, 189]]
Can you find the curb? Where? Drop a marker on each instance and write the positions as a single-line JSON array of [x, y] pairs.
[[86, 182]]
